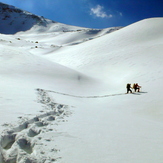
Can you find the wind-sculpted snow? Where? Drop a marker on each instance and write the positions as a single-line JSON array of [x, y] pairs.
[[21, 143]]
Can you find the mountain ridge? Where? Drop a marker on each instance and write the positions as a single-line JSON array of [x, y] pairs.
[[15, 20]]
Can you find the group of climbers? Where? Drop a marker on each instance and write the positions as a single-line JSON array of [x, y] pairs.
[[135, 86]]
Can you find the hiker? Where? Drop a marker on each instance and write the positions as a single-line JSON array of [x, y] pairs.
[[128, 86], [136, 87]]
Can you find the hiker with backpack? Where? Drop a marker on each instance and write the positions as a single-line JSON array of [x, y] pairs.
[[128, 86], [136, 87]]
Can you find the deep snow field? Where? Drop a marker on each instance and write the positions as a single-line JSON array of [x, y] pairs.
[[62, 94]]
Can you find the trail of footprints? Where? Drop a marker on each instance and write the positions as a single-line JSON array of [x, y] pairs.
[[19, 144]]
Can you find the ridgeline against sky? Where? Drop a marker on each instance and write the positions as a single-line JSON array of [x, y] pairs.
[[92, 13]]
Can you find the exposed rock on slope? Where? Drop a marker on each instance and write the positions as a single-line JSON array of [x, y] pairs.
[[14, 20]]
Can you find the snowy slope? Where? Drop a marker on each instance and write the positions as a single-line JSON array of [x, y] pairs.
[[22, 76], [118, 128], [62, 94], [135, 49]]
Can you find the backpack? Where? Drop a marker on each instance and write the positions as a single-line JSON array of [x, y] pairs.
[[134, 85], [128, 85]]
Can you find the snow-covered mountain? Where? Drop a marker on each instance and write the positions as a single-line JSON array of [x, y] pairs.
[[62, 93], [13, 20]]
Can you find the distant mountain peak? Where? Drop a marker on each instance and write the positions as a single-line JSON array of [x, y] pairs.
[[13, 20]]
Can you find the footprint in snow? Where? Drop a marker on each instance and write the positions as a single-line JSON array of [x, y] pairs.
[[19, 142]]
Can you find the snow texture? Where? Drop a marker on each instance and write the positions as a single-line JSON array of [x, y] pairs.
[[63, 91]]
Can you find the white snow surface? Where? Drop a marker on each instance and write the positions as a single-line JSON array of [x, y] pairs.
[[62, 95]]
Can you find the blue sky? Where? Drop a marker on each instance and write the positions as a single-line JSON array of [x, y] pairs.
[[92, 13]]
